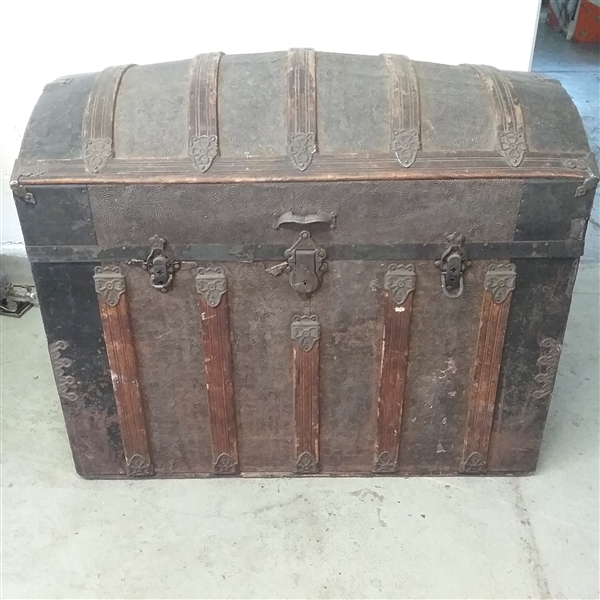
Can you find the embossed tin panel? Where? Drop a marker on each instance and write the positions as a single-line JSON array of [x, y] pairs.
[[168, 345], [386, 212]]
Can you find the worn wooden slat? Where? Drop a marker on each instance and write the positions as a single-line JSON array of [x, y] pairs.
[[306, 332], [211, 285], [203, 141], [302, 107], [512, 141], [499, 284], [399, 283], [405, 111], [118, 336], [98, 119]]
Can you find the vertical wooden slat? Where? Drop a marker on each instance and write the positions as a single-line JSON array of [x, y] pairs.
[[306, 331], [118, 335], [211, 284], [512, 141], [499, 284], [98, 119], [399, 284], [405, 110], [203, 136], [301, 107]]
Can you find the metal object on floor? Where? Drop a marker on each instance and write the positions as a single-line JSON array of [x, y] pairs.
[[15, 300]]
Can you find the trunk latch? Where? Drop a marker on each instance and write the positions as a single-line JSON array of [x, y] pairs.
[[305, 263], [160, 265], [453, 264]]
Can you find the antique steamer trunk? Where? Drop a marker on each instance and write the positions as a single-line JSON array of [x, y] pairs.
[[301, 263]]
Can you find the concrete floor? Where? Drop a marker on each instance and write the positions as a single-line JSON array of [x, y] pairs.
[[529, 537]]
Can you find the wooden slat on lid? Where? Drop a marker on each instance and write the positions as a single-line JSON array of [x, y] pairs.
[[302, 107], [98, 119], [203, 140]]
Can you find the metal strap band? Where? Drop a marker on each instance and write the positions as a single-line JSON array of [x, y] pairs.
[[203, 140], [301, 107], [98, 119], [405, 112], [570, 248], [511, 130]]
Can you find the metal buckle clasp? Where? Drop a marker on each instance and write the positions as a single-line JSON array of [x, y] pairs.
[[453, 264]]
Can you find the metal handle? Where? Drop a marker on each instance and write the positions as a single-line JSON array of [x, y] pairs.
[[289, 218]]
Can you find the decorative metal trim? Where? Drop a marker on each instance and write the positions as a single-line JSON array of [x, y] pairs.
[[109, 282], [98, 119], [474, 464], [547, 365], [400, 281], [511, 130], [305, 263], [385, 463], [306, 330], [588, 164], [203, 141], [160, 265], [405, 111], [21, 192], [306, 463], [453, 264], [60, 364], [500, 280], [224, 465], [137, 466], [211, 284], [302, 107]]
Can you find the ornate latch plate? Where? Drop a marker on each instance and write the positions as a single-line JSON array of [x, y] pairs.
[[160, 265], [305, 264], [453, 264]]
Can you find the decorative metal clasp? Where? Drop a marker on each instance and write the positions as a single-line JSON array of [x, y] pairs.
[[306, 261], [21, 192], [161, 267], [453, 264], [305, 264]]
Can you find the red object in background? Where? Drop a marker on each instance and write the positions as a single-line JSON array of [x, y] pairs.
[[552, 19], [587, 22]]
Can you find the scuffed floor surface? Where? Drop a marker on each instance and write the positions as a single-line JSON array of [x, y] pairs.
[[528, 537]]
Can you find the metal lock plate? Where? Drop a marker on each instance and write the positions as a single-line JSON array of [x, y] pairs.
[[453, 264], [161, 267], [305, 264], [305, 259]]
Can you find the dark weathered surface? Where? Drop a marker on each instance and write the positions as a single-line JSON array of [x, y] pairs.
[[443, 337], [78, 354], [168, 345], [539, 311], [375, 213], [61, 215]]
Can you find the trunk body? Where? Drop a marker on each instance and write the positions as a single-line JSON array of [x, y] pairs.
[[299, 263]]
